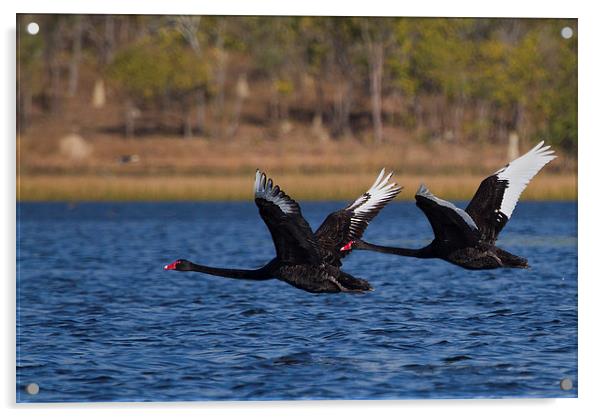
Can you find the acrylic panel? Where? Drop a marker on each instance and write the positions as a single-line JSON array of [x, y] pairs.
[[141, 144]]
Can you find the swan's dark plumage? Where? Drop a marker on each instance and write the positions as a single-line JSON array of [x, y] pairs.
[[449, 223], [467, 237], [350, 223], [293, 238], [306, 260], [484, 208]]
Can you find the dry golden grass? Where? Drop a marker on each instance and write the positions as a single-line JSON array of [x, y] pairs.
[[239, 187], [296, 153], [308, 169]]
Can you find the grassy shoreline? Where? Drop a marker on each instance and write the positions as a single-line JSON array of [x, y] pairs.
[[239, 187]]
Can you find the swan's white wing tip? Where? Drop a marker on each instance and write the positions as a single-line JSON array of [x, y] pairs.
[[423, 191]]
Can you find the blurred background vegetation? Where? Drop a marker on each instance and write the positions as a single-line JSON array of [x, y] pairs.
[[186, 107]]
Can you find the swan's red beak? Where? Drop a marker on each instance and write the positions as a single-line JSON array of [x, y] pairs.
[[171, 266], [347, 246]]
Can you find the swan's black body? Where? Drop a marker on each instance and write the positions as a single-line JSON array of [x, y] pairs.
[[316, 278], [480, 256], [303, 259], [467, 237]]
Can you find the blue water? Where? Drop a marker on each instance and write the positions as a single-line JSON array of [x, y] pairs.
[[98, 319]]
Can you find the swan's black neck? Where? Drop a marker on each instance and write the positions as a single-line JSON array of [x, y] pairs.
[[262, 273], [426, 252]]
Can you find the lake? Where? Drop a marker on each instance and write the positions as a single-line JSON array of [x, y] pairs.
[[98, 319]]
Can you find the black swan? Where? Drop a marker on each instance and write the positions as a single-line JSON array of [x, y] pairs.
[[306, 260], [467, 238]]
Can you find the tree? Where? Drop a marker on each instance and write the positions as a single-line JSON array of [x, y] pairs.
[[460, 79], [378, 38], [273, 46], [30, 72], [345, 42], [158, 71], [444, 57]]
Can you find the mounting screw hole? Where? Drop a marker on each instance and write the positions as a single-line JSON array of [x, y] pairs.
[[566, 32], [32, 389], [566, 384], [33, 28]]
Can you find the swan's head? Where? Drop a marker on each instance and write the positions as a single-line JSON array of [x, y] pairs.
[[348, 246], [179, 265]]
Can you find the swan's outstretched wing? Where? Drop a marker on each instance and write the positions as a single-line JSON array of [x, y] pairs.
[[348, 224], [293, 238], [450, 223], [496, 197]]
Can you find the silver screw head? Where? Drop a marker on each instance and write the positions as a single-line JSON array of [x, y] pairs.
[[32, 389]]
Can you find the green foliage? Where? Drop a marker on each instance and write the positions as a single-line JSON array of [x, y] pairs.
[[502, 74], [316, 48], [444, 56], [401, 65], [29, 53], [273, 44], [284, 87], [514, 65], [558, 101], [159, 65]]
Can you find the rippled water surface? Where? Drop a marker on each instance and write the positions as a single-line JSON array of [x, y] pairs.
[[100, 320]]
